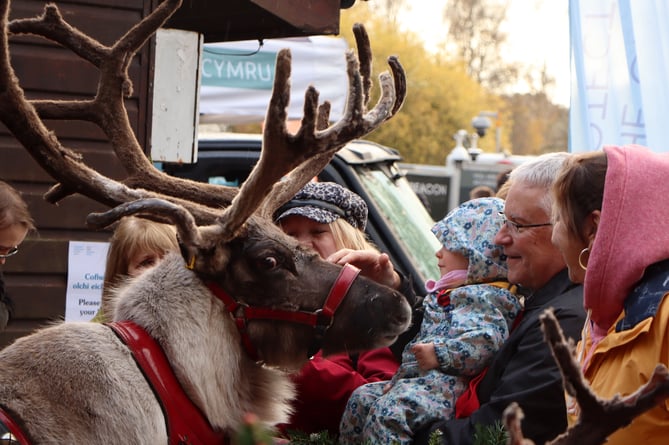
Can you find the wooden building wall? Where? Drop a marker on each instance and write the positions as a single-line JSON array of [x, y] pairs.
[[36, 277]]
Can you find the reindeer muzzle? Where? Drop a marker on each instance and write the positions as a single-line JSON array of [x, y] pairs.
[[320, 319]]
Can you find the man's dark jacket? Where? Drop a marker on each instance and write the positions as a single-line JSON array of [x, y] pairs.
[[524, 371]]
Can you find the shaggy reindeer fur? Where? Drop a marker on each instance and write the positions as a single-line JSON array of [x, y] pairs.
[[78, 383]]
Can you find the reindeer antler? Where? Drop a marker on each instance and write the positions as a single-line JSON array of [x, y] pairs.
[[314, 144], [23, 117], [307, 152], [106, 110], [598, 418]]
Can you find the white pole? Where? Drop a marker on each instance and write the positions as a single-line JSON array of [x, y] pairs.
[[454, 161]]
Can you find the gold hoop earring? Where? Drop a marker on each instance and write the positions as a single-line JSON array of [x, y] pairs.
[[580, 260]]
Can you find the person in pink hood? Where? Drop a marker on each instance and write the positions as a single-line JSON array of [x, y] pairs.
[[610, 212]]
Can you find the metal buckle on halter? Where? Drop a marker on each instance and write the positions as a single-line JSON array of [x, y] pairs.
[[323, 322]]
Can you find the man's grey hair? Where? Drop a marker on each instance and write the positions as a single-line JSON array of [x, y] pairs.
[[540, 173]]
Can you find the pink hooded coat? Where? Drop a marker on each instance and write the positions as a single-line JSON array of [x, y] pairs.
[[632, 235], [632, 232]]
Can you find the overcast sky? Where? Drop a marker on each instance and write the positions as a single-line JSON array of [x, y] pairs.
[[538, 33]]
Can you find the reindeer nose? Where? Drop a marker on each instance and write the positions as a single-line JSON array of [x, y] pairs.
[[396, 308]]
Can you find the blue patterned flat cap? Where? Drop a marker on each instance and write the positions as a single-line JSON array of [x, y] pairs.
[[325, 202]]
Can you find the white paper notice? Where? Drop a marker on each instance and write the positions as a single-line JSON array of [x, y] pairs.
[[85, 275]]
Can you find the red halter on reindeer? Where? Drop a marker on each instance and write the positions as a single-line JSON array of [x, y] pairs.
[[78, 382]]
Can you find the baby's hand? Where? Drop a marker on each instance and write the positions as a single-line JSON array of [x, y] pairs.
[[387, 387], [425, 356]]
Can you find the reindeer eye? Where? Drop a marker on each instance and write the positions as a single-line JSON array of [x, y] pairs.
[[268, 263]]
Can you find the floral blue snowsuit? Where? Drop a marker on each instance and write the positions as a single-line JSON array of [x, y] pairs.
[[467, 324]]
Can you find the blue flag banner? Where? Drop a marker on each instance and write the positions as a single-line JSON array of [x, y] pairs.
[[619, 74]]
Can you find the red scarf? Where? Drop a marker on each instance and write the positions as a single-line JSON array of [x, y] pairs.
[[468, 402]]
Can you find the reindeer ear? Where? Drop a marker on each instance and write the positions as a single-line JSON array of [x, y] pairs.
[[206, 262], [209, 256], [188, 254]]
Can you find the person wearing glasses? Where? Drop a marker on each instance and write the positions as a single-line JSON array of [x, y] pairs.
[[15, 223], [523, 370]]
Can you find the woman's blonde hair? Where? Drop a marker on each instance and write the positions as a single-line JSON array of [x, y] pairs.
[[348, 237], [132, 236]]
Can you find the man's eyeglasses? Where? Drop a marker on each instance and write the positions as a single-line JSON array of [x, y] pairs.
[[6, 253], [515, 227]]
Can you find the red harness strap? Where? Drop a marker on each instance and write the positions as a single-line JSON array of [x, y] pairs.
[[186, 425], [320, 319], [13, 429]]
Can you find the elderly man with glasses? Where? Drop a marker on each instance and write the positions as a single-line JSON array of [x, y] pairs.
[[524, 370]]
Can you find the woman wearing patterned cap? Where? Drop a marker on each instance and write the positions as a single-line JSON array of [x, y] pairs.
[[332, 220], [468, 314]]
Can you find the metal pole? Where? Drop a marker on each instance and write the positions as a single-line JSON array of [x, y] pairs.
[[454, 162], [454, 192]]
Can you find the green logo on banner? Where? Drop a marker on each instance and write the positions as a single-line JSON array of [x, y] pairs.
[[233, 68]]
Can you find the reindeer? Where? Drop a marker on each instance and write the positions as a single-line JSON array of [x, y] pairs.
[[217, 325]]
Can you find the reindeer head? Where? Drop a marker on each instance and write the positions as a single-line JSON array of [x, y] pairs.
[[282, 292], [226, 234]]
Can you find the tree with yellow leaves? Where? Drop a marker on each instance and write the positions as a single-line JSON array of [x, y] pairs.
[[441, 97]]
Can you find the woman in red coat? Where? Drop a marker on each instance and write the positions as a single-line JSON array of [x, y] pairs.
[[331, 219]]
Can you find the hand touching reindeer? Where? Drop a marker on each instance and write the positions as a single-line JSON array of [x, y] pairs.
[[330, 219], [372, 264], [206, 310]]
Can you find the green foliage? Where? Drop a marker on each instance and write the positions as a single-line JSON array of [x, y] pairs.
[[322, 438], [253, 433], [538, 126], [494, 434], [435, 438], [325, 439]]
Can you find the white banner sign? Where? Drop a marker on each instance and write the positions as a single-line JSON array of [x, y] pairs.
[[85, 275], [620, 69], [237, 77]]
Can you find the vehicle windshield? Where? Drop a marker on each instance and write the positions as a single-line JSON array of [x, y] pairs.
[[406, 216]]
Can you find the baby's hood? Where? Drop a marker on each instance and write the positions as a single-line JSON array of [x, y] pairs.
[[469, 229], [632, 232]]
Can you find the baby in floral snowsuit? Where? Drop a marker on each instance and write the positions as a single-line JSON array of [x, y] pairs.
[[468, 314]]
